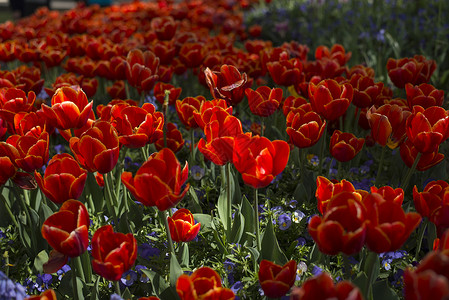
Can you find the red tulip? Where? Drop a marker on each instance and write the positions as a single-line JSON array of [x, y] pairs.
[[228, 84], [204, 283], [389, 194], [192, 54], [286, 72], [425, 95], [365, 90], [186, 109], [388, 226], [431, 277], [344, 146], [428, 128], [162, 173], [326, 189], [141, 69], [98, 148], [220, 132], [13, 101], [276, 280], [304, 128], [46, 295], [259, 160], [182, 226], [159, 93], [33, 150], [63, 179], [431, 199], [292, 103], [337, 52], [322, 287], [207, 110], [113, 252], [330, 99], [69, 108], [415, 70], [137, 126], [343, 226], [264, 101], [173, 137], [67, 230], [388, 124], [164, 27], [409, 153]]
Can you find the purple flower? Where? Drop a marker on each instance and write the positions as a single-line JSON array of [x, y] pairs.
[[316, 270], [43, 281], [128, 278], [284, 221], [197, 172], [61, 272], [143, 277], [146, 251]]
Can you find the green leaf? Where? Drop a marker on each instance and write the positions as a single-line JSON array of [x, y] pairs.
[[127, 294], [94, 290], [159, 284], [381, 290], [361, 282], [95, 191], [40, 260], [270, 246], [372, 266], [195, 202], [204, 219], [222, 206], [237, 227], [169, 294], [175, 269], [248, 215], [185, 256]]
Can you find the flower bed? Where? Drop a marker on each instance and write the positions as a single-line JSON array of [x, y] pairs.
[[163, 150]]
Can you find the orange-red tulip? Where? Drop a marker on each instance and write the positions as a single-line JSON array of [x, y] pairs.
[[182, 226], [344, 146], [276, 280]]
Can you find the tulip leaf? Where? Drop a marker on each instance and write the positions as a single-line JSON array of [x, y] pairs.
[[127, 294], [169, 294], [205, 221], [45, 211], [237, 192], [381, 290], [159, 284], [270, 249], [185, 256], [195, 202], [40, 260], [361, 282], [248, 214], [175, 269], [221, 206], [237, 227], [95, 192], [94, 290]]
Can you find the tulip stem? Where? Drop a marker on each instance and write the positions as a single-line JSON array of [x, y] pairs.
[[117, 288], [164, 216], [256, 219], [164, 111], [229, 202], [110, 206], [74, 281], [8, 210], [379, 169], [79, 268], [410, 171], [422, 230], [323, 145]]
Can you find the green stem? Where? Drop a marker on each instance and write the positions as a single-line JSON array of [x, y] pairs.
[[109, 200], [79, 268], [256, 219], [30, 222], [323, 145], [164, 216], [8, 210], [422, 230], [228, 202], [379, 169], [74, 281], [117, 288], [347, 264], [164, 111], [410, 171], [371, 279]]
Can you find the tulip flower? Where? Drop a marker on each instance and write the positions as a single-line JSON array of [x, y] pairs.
[[388, 124], [322, 287], [98, 148], [173, 137], [207, 110], [337, 52], [330, 99], [343, 226], [409, 153], [182, 226], [159, 93], [304, 128], [186, 109], [344, 146], [365, 90], [64, 179], [414, 70], [388, 226], [429, 278], [220, 131], [137, 126], [431, 198], [259, 160], [32, 150], [228, 84], [203, 283], [264, 101], [292, 103], [326, 189], [13, 101], [141, 69], [46, 295], [276, 280], [389, 194], [113, 252], [158, 181], [427, 128], [164, 27], [192, 54], [286, 72], [69, 108], [424, 95], [67, 230]]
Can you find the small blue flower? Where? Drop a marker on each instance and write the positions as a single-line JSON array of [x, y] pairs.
[[143, 277], [59, 148], [316, 270], [301, 241], [197, 172], [128, 278], [2, 234], [61, 272], [284, 221], [229, 266], [146, 251], [297, 216], [43, 281], [115, 297], [301, 270], [9, 289], [236, 287]]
